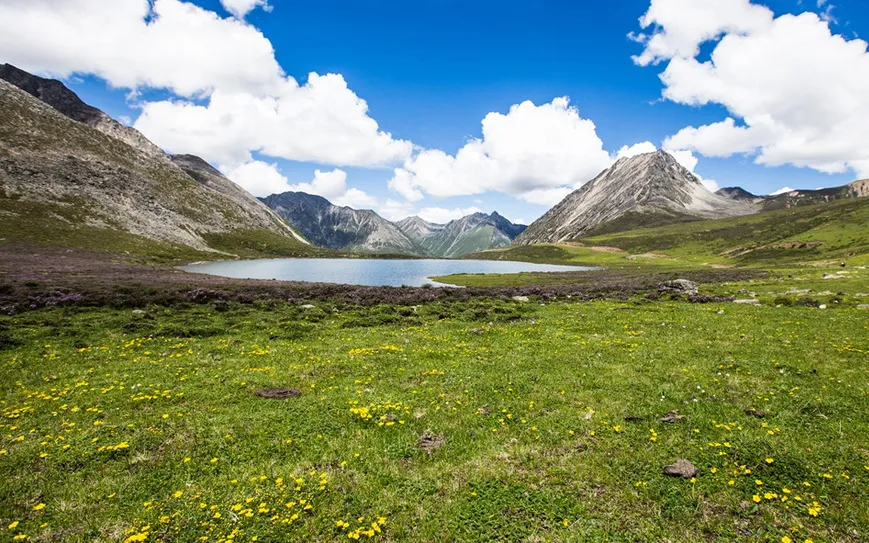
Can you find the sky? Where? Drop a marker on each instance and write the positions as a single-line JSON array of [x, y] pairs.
[[445, 107]]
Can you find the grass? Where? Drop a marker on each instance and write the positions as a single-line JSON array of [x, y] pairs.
[[125, 426]]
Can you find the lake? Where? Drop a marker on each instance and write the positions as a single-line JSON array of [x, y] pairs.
[[363, 271]]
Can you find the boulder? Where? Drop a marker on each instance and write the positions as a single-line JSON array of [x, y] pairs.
[[679, 286]]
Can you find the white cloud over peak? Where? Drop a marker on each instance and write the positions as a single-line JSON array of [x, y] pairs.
[[231, 97], [527, 152], [440, 215], [263, 179], [240, 8], [782, 190], [636, 149], [796, 92]]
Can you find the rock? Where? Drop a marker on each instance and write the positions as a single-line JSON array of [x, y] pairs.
[[682, 468], [830, 276], [522, 299], [672, 416], [476, 331], [747, 302], [308, 306], [278, 393], [679, 286], [863, 306], [138, 313], [822, 306]]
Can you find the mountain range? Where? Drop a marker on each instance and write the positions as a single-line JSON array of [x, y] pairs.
[[347, 229], [72, 176]]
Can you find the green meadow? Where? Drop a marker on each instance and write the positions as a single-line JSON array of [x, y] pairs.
[[487, 420]]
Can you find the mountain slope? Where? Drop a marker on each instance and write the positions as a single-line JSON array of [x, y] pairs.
[[469, 234], [79, 183], [647, 189], [335, 227]]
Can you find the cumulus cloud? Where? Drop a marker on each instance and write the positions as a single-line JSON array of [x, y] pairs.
[[321, 121], [263, 179], [134, 44], [526, 152], [240, 8], [796, 92], [231, 96], [395, 210], [440, 215]]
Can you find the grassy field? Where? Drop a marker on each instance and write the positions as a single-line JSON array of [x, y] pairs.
[[475, 421]]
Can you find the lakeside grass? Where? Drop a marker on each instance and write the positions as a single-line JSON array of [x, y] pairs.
[[128, 427]]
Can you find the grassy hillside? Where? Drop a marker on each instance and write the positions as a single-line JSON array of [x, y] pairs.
[[67, 223], [481, 421], [784, 238]]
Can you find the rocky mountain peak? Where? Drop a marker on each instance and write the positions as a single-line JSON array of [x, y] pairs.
[[646, 189]]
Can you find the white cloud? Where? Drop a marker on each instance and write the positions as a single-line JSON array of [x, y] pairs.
[[131, 44], [440, 215], [524, 152], [546, 197], [681, 26], [782, 190], [231, 96], [263, 179], [518, 221], [258, 177], [636, 149], [796, 93], [394, 210], [321, 121], [240, 8]]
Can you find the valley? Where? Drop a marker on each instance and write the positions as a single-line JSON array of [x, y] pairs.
[[705, 380]]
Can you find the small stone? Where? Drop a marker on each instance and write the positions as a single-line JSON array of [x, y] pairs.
[[682, 468], [672, 416], [522, 299], [308, 306], [747, 302], [822, 306], [476, 331], [863, 306]]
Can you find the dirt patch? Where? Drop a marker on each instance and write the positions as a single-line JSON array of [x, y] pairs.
[[605, 249], [756, 413], [429, 443], [278, 393]]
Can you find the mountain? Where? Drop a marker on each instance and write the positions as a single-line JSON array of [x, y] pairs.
[[643, 190], [58, 96], [328, 225], [71, 176], [469, 234]]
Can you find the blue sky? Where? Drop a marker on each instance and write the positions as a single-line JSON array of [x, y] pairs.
[[430, 71]]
